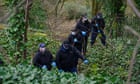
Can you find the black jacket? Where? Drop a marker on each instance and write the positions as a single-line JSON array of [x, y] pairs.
[[1, 62], [100, 22], [43, 59], [77, 36], [83, 26], [68, 58]]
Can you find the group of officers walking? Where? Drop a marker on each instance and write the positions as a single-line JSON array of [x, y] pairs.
[[74, 47]]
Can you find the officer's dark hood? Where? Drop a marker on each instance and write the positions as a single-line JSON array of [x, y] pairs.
[[65, 46]]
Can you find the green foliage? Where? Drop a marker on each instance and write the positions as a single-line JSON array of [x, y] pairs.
[[8, 51], [37, 15], [112, 63], [27, 74], [36, 38], [74, 12], [134, 22], [11, 3], [116, 9], [136, 70], [107, 65], [16, 28], [15, 31], [137, 3]]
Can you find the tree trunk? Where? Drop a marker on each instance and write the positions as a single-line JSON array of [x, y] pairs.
[[93, 7], [119, 13], [96, 6], [26, 27]]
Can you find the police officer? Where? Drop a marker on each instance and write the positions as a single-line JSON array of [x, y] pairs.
[[67, 58], [98, 25], [75, 39], [43, 58], [84, 27]]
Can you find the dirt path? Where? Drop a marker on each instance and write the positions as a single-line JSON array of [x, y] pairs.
[[62, 31]]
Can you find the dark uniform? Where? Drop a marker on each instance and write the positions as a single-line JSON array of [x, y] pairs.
[[1, 62], [98, 25], [41, 59], [84, 27], [76, 40], [67, 58]]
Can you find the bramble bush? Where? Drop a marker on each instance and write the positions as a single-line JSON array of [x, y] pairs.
[[34, 39], [27, 74], [112, 62], [107, 66]]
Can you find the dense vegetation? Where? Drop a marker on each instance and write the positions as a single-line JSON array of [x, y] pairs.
[[106, 65]]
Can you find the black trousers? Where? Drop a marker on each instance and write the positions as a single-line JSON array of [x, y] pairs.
[[78, 46], [94, 36], [72, 70], [84, 44]]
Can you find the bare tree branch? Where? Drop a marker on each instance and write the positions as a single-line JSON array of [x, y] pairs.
[[131, 4], [14, 11], [62, 4], [132, 31], [132, 62]]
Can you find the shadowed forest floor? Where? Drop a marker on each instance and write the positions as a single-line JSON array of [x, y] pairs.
[[62, 31]]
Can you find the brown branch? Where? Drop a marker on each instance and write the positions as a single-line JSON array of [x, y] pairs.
[[132, 31], [12, 12], [62, 4], [131, 4], [56, 7], [132, 62], [27, 8]]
